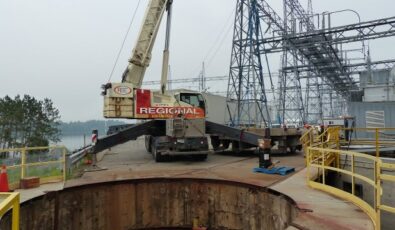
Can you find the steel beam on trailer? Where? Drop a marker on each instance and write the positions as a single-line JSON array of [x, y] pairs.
[[155, 127], [132, 133], [232, 133]]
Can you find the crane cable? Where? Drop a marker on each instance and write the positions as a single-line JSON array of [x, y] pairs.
[[124, 41], [220, 38]]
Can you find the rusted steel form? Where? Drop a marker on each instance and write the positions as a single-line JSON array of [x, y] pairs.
[[158, 204]]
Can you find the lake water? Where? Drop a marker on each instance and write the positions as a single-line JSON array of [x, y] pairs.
[[74, 142]]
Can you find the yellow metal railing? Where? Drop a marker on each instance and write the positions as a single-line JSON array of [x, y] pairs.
[[313, 137], [307, 138], [324, 156], [10, 201], [379, 137], [335, 137], [47, 163]]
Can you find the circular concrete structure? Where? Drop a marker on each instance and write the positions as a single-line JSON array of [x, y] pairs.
[[158, 204]]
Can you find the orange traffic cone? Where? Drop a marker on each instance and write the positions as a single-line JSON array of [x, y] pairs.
[[4, 180]]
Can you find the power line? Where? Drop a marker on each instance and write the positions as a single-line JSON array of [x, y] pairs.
[[220, 37]]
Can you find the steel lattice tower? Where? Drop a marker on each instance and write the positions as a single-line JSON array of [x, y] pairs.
[[313, 95], [313, 101], [291, 104], [246, 97]]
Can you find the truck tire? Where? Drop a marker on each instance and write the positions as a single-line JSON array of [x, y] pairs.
[[158, 157], [299, 147], [292, 149], [235, 147], [225, 144], [215, 142], [148, 143]]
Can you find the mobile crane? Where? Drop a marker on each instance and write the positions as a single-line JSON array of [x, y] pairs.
[[174, 122], [178, 125]]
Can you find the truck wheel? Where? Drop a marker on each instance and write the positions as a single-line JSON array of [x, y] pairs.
[[235, 147], [148, 144], [200, 157], [215, 142], [157, 155], [225, 144], [292, 149], [299, 147]]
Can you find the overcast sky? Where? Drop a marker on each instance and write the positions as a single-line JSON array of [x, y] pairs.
[[65, 50]]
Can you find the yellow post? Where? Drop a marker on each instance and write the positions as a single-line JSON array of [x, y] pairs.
[[323, 165], [15, 213], [377, 143], [308, 164], [23, 163], [195, 222], [338, 147], [377, 172], [377, 203], [352, 177]]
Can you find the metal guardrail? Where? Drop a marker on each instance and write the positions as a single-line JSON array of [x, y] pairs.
[[73, 159], [323, 155], [10, 201], [48, 163], [77, 156]]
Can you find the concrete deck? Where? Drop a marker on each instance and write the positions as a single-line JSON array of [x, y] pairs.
[[318, 210], [131, 161]]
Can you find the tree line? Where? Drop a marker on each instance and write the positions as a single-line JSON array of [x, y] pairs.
[[26, 121], [79, 128]]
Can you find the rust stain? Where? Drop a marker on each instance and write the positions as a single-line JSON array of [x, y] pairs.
[[159, 203]]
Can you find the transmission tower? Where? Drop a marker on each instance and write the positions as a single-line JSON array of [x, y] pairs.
[[202, 79], [246, 97], [291, 103], [313, 101], [310, 8]]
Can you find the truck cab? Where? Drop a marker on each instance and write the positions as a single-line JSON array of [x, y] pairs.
[[185, 133]]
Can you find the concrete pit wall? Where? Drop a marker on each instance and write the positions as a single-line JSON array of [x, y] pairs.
[[158, 204]]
